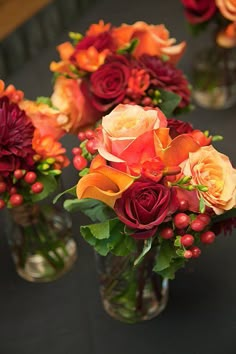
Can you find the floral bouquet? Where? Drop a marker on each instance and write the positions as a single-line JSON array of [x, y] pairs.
[[130, 64], [158, 191], [214, 71], [31, 160]]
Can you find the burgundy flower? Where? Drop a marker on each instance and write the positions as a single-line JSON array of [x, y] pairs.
[[166, 76], [143, 207], [178, 127], [102, 41], [198, 11], [108, 84], [16, 135]]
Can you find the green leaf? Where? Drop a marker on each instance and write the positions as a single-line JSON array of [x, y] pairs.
[[146, 248], [175, 265], [202, 205], [177, 242], [84, 172], [45, 100], [71, 191], [129, 48], [108, 237], [50, 185], [169, 102], [94, 209]]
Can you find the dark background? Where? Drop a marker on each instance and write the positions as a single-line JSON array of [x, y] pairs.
[[66, 316]]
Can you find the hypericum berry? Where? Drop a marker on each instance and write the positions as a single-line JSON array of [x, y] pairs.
[[181, 220], [147, 101], [37, 187], [188, 254], [183, 205], [208, 237], [197, 225], [167, 233], [18, 174], [16, 199], [76, 151], [13, 190], [196, 252], [3, 187], [30, 177], [79, 162], [204, 218], [90, 146], [187, 240], [89, 134], [81, 136], [2, 204]]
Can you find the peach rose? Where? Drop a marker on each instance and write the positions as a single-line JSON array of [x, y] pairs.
[[227, 8], [49, 121], [153, 40], [214, 170], [69, 99], [123, 126]]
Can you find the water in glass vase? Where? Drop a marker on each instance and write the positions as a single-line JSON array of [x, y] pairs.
[[41, 242], [131, 294]]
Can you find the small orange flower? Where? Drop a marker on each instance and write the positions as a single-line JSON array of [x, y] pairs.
[[98, 28], [65, 50], [47, 146], [90, 59], [11, 92], [64, 66], [138, 82]]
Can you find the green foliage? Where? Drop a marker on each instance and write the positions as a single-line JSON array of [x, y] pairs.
[[94, 209], [129, 48], [169, 102], [71, 191], [146, 248], [168, 261], [108, 236], [45, 100]]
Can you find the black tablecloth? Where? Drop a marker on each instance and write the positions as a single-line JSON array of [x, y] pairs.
[[66, 316]]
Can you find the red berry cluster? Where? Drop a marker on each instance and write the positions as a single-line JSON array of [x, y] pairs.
[[11, 188], [87, 148], [190, 229]]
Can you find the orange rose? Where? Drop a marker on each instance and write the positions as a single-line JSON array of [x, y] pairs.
[[214, 170], [11, 92], [227, 37], [153, 40], [49, 121], [227, 8], [131, 135], [69, 99]]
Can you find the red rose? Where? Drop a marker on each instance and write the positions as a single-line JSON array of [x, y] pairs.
[[198, 11], [100, 42], [144, 206], [109, 83], [178, 127]]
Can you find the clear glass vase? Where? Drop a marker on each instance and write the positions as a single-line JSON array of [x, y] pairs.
[[214, 77], [131, 294], [40, 237]]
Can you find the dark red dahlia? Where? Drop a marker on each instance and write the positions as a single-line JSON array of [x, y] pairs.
[[166, 76], [178, 127], [16, 133]]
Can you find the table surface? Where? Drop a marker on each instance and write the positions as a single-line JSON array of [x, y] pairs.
[[66, 316]]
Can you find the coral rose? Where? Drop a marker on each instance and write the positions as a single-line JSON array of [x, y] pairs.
[[153, 40], [212, 169], [198, 11], [123, 126], [69, 99], [227, 8]]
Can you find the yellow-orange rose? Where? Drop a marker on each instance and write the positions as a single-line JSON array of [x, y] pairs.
[[69, 99], [227, 8], [153, 40], [214, 170]]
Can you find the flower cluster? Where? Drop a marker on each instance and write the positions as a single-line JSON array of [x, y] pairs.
[[161, 182], [133, 64], [221, 12], [30, 154]]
